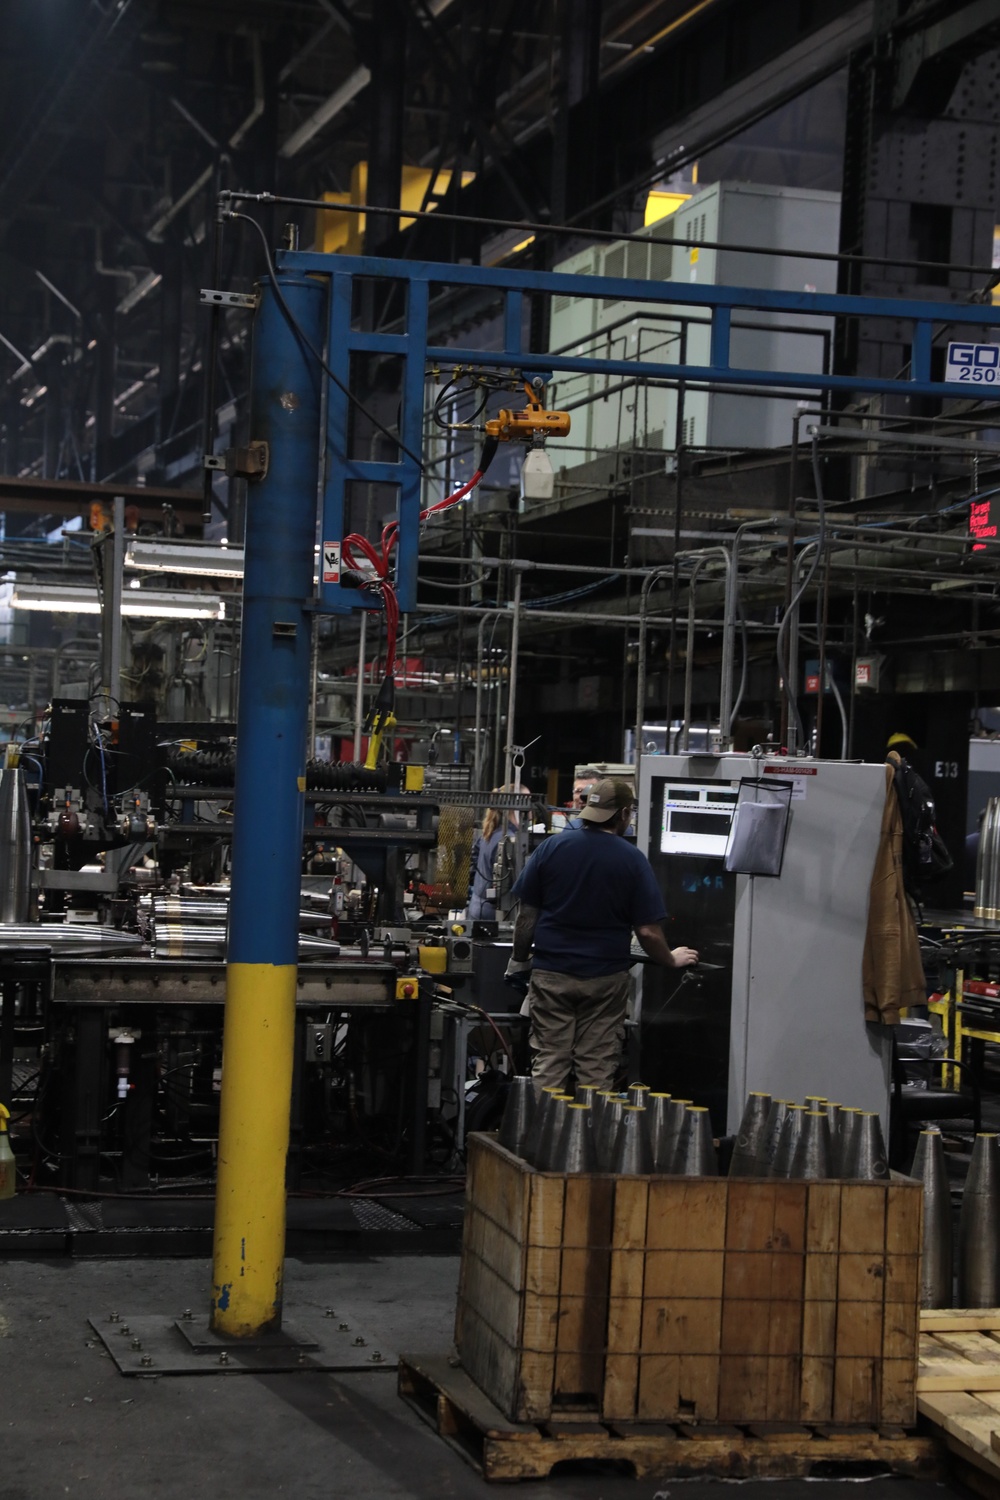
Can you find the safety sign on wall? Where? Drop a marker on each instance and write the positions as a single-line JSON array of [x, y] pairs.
[[331, 562]]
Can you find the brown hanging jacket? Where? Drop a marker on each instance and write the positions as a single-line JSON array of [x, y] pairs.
[[892, 972]]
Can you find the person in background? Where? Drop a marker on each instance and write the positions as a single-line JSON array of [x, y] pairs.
[[482, 907], [581, 898], [583, 784]]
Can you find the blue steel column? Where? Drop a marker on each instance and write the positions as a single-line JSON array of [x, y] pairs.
[[258, 1043]]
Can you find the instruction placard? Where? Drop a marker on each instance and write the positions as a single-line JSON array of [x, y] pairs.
[[796, 775], [331, 562]]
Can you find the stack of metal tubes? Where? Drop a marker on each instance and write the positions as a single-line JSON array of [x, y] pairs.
[[196, 927], [635, 1133]]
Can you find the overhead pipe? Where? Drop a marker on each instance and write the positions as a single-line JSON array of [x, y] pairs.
[[795, 730], [733, 607], [515, 639], [487, 615], [685, 741], [581, 617], [640, 668]]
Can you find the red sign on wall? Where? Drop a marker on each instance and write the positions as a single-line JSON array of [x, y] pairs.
[[982, 524]]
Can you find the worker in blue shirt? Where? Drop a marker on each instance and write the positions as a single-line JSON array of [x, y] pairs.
[[581, 896]]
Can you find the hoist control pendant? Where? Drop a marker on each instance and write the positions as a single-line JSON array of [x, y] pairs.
[[8, 1167]]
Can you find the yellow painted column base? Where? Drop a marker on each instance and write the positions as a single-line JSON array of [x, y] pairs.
[[257, 1058]]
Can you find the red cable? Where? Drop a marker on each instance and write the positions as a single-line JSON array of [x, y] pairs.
[[380, 562]]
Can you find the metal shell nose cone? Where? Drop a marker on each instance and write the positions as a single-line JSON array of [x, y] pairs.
[[936, 1263], [848, 1125], [665, 1150], [812, 1152], [533, 1139], [518, 1115], [547, 1154], [743, 1162], [607, 1132], [632, 1156], [867, 1159], [657, 1120], [696, 1150], [788, 1140], [575, 1151], [773, 1126], [978, 1227], [15, 846]]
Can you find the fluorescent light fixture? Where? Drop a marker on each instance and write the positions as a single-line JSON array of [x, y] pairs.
[[174, 557], [77, 599], [197, 558]]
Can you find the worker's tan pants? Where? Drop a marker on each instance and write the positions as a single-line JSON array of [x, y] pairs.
[[577, 1025]]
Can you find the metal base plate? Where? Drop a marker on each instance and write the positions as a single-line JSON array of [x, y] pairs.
[[162, 1345]]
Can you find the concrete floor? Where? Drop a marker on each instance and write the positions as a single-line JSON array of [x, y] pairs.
[[70, 1424]]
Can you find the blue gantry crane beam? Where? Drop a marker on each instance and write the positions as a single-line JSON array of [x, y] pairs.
[[303, 342]]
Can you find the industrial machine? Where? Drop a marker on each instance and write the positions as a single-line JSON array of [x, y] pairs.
[[778, 1004], [113, 936]]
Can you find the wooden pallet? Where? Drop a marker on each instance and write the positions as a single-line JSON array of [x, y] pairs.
[[445, 1397], [958, 1390]]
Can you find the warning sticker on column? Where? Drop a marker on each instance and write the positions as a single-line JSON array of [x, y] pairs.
[[797, 775], [331, 562]]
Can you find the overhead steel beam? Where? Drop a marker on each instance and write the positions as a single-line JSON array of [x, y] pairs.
[[932, 56], [343, 95], [729, 66], [780, 79]]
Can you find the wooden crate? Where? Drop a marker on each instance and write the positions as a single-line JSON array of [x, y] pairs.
[[763, 1301], [689, 1299], [533, 1288]]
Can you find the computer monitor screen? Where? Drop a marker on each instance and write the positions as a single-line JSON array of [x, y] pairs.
[[697, 817]]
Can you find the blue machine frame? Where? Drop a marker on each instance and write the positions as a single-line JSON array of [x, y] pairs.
[[925, 318], [287, 395]]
